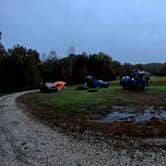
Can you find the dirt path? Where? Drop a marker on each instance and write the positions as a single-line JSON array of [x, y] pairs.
[[23, 141]]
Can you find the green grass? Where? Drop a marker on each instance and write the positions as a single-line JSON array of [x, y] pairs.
[[71, 101], [115, 82], [156, 88], [72, 98], [70, 107], [157, 78], [75, 102]]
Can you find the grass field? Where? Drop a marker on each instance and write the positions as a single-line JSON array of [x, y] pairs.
[[75, 105], [158, 80]]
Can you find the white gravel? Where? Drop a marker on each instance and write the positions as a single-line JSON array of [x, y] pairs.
[[24, 141]]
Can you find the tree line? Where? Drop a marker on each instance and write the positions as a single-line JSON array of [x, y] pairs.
[[21, 68]]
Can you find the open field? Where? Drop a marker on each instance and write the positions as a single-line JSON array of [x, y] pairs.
[[158, 80], [76, 110]]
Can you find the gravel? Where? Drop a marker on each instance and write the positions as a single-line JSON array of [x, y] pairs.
[[25, 141]]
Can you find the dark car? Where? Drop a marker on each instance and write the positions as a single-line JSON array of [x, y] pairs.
[[136, 80], [132, 83], [101, 83], [93, 83], [47, 87]]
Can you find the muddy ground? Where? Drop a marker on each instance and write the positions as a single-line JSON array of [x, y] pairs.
[[150, 129]]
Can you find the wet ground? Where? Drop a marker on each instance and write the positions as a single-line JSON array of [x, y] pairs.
[[130, 115]]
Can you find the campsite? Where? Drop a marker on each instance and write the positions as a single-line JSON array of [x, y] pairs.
[[82, 83], [84, 104], [70, 108]]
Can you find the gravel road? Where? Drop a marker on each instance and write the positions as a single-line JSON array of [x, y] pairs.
[[24, 141]]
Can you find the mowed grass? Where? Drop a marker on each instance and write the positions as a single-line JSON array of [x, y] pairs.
[[72, 101], [114, 95], [155, 80], [77, 110]]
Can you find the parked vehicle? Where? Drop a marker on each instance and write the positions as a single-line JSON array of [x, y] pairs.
[[137, 80], [93, 83], [133, 83], [101, 83], [48, 87]]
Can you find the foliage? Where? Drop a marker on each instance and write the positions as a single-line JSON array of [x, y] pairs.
[[74, 68], [156, 68], [21, 68]]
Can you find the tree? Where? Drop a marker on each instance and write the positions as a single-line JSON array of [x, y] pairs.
[[71, 52], [3, 55], [100, 65], [139, 66], [43, 57], [152, 67], [15, 67], [126, 69], [32, 75], [161, 70], [22, 68], [80, 68], [117, 67], [52, 55], [32, 68]]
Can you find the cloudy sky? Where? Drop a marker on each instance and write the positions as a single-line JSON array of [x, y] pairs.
[[129, 30]]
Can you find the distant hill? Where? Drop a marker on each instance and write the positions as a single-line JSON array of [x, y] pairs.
[[152, 67]]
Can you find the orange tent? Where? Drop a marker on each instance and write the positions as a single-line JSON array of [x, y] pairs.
[[59, 84]]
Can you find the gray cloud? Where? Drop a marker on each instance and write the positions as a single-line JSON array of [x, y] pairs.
[[131, 30]]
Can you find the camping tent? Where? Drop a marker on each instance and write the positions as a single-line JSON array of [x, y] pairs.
[[59, 84]]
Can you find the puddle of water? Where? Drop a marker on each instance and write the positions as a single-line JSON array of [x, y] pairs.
[[144, 117]]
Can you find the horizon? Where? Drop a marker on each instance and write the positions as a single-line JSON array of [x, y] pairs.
[[60, 57]]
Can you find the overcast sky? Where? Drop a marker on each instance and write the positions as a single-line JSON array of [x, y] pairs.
[[129, 30]]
